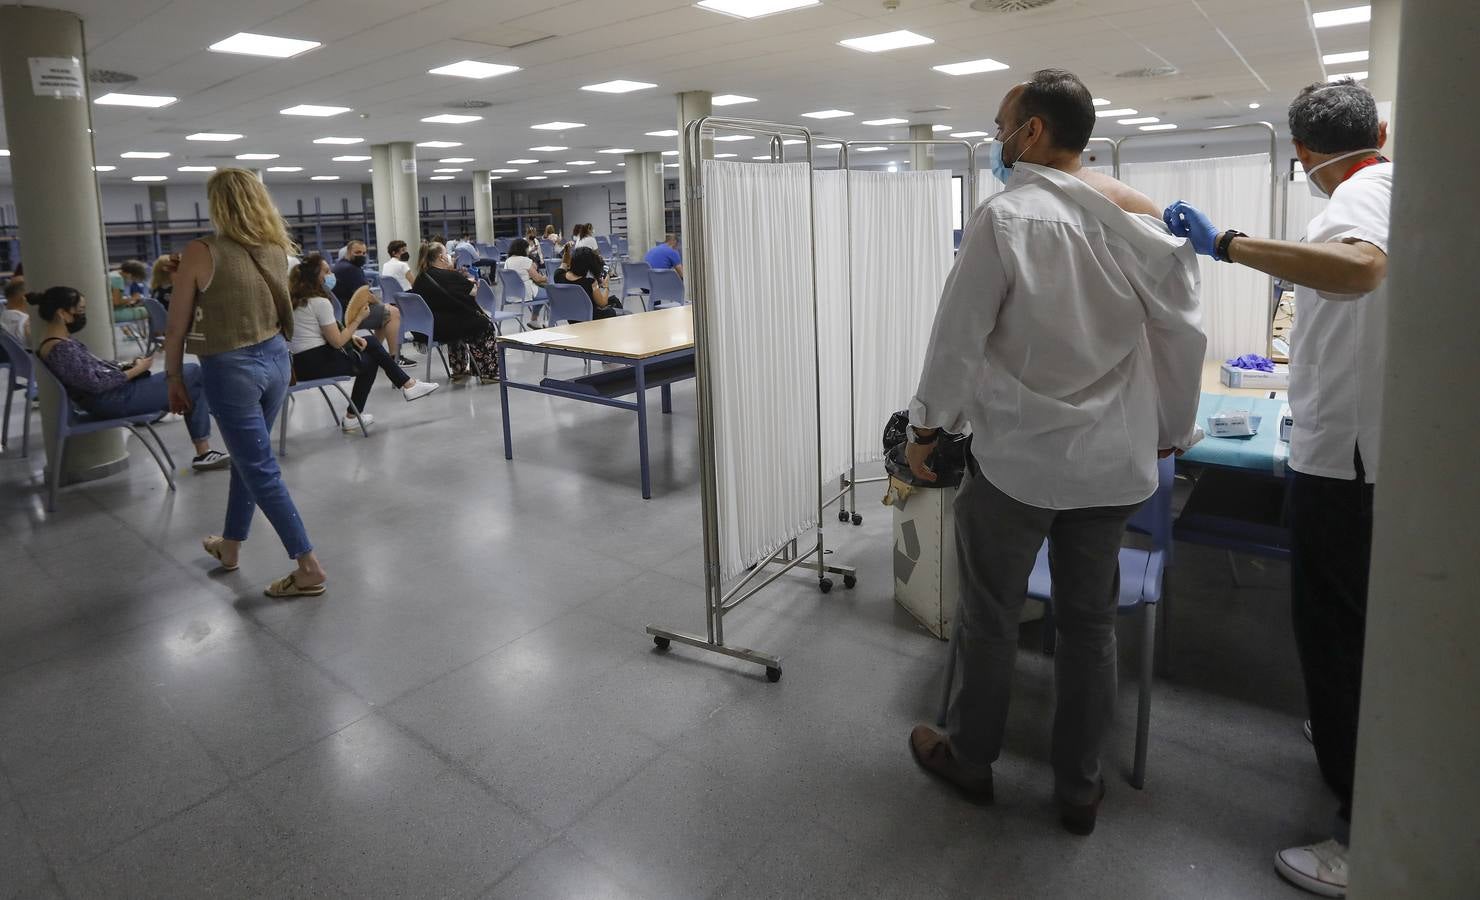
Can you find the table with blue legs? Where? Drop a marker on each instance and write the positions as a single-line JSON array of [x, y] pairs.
[[653, 349]]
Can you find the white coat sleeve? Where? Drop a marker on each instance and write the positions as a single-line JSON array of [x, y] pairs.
[[968, 309], [1174, 331]]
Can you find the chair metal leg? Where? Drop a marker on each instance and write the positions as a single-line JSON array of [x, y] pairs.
[[169, 475], [26, 420], [1143, 706], [446, 368], [54, 477], [163, 449], [330, 403], [364, 432], [5, 422]]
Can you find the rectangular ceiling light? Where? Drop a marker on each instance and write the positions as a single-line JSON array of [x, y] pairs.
[[213, 136], [453, 160], [339, 140], [503, 171], [350, 159], [257, 156], [144, 154], [535, 177], [196, 169], [451, 119], [151, 177], [828, 146], [792, 142], [599, 172], [285, 168], [869, 149], [521, 162], [1352, 15], [939, 128], [765, 157], [617, 150], [889, 40], [886, 121], [725, 155], [619, 86], [754, 9], [971, 67], [441, 178], [1100, 101], [309, 109], [145, 100], [1139, 120], [445, 171], [1341, 59], [468, 68], [969, 134], [667, 132], [1114, 113], [95, 168], [826, 114], [249, 44], [324, 178], [1165, 126], [736, 137], [670, 152], [581, 162], [1354, 76], [730, 100], [440, 145], [548, 148], [558, 126]]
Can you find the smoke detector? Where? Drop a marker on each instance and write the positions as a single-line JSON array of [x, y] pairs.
[[1148, 72], [1008, 6]]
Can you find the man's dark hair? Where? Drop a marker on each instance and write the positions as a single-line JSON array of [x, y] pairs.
[[1334, 118], [394, 248], [134, 269], [1064, 104]]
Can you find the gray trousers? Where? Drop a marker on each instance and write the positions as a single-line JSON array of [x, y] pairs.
[[997, 543]]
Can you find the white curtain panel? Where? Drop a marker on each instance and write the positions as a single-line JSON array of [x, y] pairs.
[[1300, 208], [1234, 192], [830, 193], [758, 282], [902, 252]]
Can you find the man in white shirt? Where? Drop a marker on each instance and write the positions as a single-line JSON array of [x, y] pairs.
[[397, 264], [1337, 358], [1068, 339]]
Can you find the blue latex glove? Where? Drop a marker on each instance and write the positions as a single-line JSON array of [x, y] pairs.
[[1190, 222]]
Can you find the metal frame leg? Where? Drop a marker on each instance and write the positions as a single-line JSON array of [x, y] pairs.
[[503, 396], [667, 395], [642, 433], [1143, 706], [359, 419], [163, 449], [167, 470]]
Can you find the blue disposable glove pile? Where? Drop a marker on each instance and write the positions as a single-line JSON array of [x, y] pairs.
[[1253, 362], [1187, 221]]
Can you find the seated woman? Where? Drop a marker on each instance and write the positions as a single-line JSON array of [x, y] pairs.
[[319, 343], [584, 266], [585, 236], [103, 389], [461, 324], [522, 259], [532, 240], [161, 279]]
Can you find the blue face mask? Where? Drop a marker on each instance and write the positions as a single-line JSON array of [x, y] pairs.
[[1000, 167], [330, 281]]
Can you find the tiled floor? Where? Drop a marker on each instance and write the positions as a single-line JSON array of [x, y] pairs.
[[474, 709]]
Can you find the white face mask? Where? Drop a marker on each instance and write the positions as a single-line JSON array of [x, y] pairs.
[[1315, 189]]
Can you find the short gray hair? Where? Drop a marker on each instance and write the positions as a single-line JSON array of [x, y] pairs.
[[1334, 118]]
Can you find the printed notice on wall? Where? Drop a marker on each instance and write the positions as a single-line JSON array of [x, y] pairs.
[[408, 167], [56, 76]]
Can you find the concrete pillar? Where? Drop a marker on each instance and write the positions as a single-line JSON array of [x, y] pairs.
[[1382, 67], [483, 207], [56, 197], [1417, 799], [922, 159], [397, 204], [691, 105], [644, 176]]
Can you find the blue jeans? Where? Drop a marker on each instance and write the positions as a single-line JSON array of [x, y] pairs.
[[245, 388], [152, 394]]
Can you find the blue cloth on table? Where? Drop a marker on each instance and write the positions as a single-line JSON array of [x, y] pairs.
[[1264, 452], [1253, 361]]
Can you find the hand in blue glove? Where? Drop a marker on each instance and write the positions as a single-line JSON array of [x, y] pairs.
[[1190, 222]]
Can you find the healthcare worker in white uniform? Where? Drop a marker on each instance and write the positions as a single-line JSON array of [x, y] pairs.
[[1336, 371]]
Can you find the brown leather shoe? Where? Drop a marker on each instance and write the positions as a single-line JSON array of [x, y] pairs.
[[933, 752], [1078, 819]]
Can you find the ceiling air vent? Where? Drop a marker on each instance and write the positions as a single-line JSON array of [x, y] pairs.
[[1148, 72], [468, 104], [1008, 6], [108, 76]]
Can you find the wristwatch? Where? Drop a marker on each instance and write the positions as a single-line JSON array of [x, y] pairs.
[[1220, 250]]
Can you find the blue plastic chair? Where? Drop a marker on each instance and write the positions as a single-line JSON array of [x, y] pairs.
[[667, 287], [604, 247], [548, 249], [1142, 583], [515, 292], [68, 421], [464, 258], [490, 305], [337, 382], [19, 377], [158, 321], [389, 287], [417, 316], [637, 278], [551, 265]]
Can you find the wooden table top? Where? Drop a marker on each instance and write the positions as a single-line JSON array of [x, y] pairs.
[[638, 336]]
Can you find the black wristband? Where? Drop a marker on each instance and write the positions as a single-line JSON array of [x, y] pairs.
[[1220, 251]]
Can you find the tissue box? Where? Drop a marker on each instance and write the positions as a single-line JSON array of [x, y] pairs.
[[1287, 423], [1278, 380]]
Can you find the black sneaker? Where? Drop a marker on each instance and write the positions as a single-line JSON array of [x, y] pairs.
[[210, 460], [405, 363]]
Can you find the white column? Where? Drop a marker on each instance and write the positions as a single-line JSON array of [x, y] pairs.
[[397, 204], [1417, 798], [56, 199], [1382, 67], [922, 159], [483, 207], [644, 177], [693, 105]]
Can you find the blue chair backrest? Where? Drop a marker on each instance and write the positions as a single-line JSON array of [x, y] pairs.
[[415, 314], [465, 257], [158, 316], [569, 303], [63, 411], [513, 286], [667, 287], [389, 287], [1154, 517], [338, 307], [550, 266], [20, 359], [485, 297], [637, 274], [548, 248], [502, 245], [604, 247]]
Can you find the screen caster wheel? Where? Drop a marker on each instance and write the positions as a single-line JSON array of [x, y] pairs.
[[857, 519], [824, 584], [661, 643], [773, 674], [850, 581], [842, 515]]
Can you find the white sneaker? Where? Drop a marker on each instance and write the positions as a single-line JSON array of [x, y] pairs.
[[419, 390], [353, 424], [1319, 868]]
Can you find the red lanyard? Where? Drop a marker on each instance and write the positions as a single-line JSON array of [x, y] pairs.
[[1369, 161]]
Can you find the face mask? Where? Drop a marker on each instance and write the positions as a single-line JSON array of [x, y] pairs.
[[1000, 167], [330, 281], [404, 257], [1315, 189], [358, 260], [79, 322]]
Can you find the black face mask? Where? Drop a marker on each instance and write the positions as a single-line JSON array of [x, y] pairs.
[[358, 260], [78, 323], [404, 257]]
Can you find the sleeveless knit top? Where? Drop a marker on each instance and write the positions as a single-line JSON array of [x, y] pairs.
[[239, 309]]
